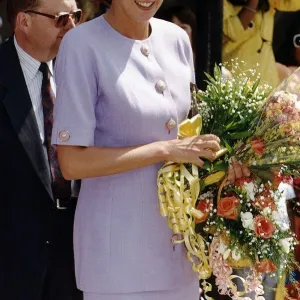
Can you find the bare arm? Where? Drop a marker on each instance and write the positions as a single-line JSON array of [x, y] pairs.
[[247, 15], [79, 162]]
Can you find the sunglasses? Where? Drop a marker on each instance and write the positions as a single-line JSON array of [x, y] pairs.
[[296, 40], [62, 19]]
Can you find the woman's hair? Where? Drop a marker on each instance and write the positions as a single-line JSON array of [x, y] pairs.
[[263, 5], [184, 14]]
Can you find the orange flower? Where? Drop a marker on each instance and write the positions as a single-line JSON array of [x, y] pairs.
[[228, 207], [240, 182], [205, 207], [263, 227], [264, 200], [258, 146], [265, 266], [278, 178]]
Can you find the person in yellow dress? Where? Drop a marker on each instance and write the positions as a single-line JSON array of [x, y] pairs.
[[248, 33]]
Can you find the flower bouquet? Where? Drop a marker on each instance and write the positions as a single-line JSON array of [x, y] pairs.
[[248, 230], [236, 226], [247, 224]]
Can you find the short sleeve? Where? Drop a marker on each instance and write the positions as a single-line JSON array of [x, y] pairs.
[[74, 112], [233, 28], [185, 44], [190, 57]]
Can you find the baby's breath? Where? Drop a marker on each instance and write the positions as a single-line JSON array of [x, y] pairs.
[[230, 105]]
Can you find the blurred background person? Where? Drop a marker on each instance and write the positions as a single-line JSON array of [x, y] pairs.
[[89, 9], [181, 15], [93, 8], [287, 43], [248, 33], [287, 53]]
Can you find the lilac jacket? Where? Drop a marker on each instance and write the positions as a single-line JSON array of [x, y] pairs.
[[113, 92]]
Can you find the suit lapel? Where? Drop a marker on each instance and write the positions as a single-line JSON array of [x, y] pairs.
[[19, 108]]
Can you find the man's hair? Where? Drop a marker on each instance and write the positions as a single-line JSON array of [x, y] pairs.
[[16, 6]]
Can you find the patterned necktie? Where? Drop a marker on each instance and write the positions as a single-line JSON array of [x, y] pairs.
[[61, 187]]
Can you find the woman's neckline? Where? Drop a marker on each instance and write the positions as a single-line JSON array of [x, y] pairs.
[[118, 34]]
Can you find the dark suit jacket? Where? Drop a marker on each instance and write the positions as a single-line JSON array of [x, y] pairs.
[[26, 201]]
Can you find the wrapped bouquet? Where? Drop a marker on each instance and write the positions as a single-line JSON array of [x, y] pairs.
[[242, 225]]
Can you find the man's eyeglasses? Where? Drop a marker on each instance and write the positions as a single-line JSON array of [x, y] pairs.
[[62, 19], [297, 40]]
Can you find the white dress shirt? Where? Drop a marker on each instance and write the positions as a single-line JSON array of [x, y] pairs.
[[33, 79]]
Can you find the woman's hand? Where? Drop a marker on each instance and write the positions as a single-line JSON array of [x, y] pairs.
[[190, 150], [248, 12], [80, 162], [237, 171]]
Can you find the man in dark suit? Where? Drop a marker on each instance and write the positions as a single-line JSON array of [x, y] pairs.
[[37, 204]]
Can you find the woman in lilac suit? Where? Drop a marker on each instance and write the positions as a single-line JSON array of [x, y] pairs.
[[123, 84]]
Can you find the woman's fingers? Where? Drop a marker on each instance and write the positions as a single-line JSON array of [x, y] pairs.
[[198, 162], [237, 170], [231, 175], [246, 171], [190, 150], [207, 154], [209, 137], [212, 144]]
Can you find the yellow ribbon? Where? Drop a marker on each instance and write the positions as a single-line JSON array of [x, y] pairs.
[[234, 288], [178, 191], [190, 127], [207, 287]]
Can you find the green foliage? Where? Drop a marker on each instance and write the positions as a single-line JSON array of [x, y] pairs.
[[230, 107]]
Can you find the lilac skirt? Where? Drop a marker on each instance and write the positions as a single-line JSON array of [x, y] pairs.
[[189, 292]]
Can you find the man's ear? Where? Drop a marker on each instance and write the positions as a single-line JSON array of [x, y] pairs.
[[23, 22]]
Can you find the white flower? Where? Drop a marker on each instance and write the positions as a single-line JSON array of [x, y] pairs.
[[235, 255], [226, 254], [247, 220], [286, 245], [249, 186], [276, 217], [267, 211], [279, 221], [223, 249]]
